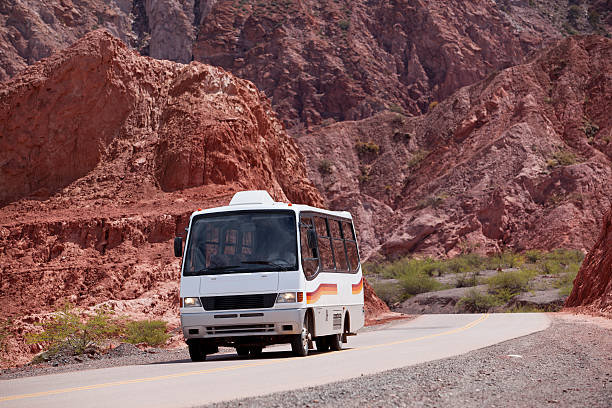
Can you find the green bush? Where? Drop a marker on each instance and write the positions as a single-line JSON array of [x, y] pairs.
[[417, 158], [397, 109], [389, 292], [477, 302], [151, 332], [513, 282], [344, 24], [533, 255], [67, 331], [325, 167], [367, 147], [466, 280], [415, 283]]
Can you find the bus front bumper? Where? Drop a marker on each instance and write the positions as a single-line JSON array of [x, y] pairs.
[[242, 323]]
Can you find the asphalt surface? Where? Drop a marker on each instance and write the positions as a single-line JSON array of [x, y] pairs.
[[226, 377]]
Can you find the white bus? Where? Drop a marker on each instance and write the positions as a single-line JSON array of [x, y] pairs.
[[259, 272]]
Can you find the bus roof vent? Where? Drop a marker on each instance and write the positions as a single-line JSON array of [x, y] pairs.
[[252, 197]]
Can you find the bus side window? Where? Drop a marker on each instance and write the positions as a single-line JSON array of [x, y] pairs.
[[325, 246], [351, 245], [338, 242], [310, 257]]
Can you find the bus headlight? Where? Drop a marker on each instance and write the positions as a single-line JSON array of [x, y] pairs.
[[286, 297], [191, 302]]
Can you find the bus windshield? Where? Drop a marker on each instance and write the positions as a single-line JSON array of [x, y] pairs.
[[242, 241]]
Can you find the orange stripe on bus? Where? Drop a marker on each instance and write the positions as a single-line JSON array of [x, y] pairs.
[[357, 287], [323, 289]]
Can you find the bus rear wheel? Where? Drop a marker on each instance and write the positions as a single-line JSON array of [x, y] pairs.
[[335, 342], [301, 342]]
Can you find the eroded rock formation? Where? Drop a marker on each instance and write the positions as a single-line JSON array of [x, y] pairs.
[[593, 285], [522, 159]]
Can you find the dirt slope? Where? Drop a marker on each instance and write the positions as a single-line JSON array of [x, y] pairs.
[[104, 155], [593, 285], [522, 159]]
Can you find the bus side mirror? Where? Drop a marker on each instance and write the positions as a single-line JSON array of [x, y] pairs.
[[312, 239], [178, 247]]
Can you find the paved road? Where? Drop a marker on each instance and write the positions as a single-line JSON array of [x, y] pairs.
[[224, 377]]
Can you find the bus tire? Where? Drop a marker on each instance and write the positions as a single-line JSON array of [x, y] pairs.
[[242, 351], [322, 343], [300, 342], [196, 351], [335, 342]]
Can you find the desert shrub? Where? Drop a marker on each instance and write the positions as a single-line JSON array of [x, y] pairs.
[[417, 158], [466, 280], [396, 108], [529, 309], [594, 18], [389, 292], [67, 331], [151, 332], [589, 128], [533, 255], [433, 105], [573, 14], [514, 282], [325, 167], [367, 148], [415, 283], [562, 158], [505, 260], [477, 302], [344, 24]]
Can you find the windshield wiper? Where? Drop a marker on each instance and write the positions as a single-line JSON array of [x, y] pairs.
[[204, 271], [276, 265]]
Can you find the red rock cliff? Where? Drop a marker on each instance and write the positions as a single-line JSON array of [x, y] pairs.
[[593, 285]]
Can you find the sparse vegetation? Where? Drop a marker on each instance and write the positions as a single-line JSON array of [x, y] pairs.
[[364, 148], [562, 158], [432, 105], [517, 274], [364, 174], [477, 302], [417, 158], [344, 24], [67, 332], [396, 108], [573, 14], [325, 167], [431, 201], [589, 128], [150, 332]]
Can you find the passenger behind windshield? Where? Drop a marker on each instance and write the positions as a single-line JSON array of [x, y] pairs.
[[246, 241]]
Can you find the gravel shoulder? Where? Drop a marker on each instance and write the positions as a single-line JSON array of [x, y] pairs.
[[567, 365]]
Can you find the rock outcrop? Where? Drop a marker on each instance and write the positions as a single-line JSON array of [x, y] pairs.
[[522, 159], [593, 285], [317, 61], [104, 154]]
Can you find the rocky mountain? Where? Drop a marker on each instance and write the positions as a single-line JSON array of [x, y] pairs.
[[318, 61], [104, 154], [521, 159], [593, 285]]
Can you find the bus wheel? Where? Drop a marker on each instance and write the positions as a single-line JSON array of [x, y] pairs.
[[300, 342], [335, 342], [196, 351], [242, 351], [255, 351], [322, 343]]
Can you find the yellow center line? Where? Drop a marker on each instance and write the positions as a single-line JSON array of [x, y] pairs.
[[234, 367]]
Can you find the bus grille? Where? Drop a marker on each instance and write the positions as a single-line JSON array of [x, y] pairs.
[[238, 329], [256, 301]]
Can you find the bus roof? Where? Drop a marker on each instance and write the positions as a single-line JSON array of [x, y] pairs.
[[261, 200]]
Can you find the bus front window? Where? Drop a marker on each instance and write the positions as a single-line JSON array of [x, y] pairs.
[[245, 241]]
